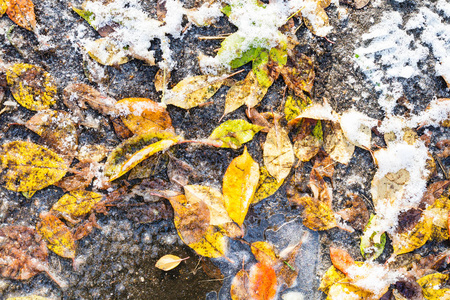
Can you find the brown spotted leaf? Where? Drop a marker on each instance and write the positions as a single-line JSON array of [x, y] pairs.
[[21, 12]]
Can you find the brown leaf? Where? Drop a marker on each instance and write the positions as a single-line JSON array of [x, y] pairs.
[[240, 286], [434, 191], [21, 12], [357, 215], [24, 252], [298, 73], [150, 212], [81, 180]]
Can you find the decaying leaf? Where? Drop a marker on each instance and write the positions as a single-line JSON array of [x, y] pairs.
[[168, 262], [341, 259], [234, 133], [239, 186], [388, 188], [150, 166], [409, 240], [307, 148], [264, 253], [298, 74], [317, 215], [294, 106], [193, 91], [240, 286], [136, 149], [263, 282], [432, 286], [31, 86], [142, 115], [247, 91], [58, 236], [107, 52], [372, 241], [316, 20], [30, 167], [278, 153], [21, 12], [213, 244], [356, 3], [76, 204], [356, 127], [22, 252], [85, 173], [267, 185], [336, 144], [357, 215], [347, 291], [259, 119]]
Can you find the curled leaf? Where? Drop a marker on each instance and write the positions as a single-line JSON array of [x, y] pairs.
[[58, 236], [234, 133], [239, 186], [30, 167], [31, 86]]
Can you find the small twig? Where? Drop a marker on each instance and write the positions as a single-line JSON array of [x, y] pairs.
[[219, 37], [441, 166], [291, 16]]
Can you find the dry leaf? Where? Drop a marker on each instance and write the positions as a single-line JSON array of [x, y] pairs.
[[234, 133], [357, 215], [240, 286], [278, 153], [193, 91], [264, 253], [31, 86], [58, 236], [106, 51], [162, 78], [76, 204], [239, 186], [92, 153], [317, 21], [335, 143], [263, 282], [267, 185], [30, 167], [432, 286], [307, 148], [348, 291], [316, 215], [168, 262], [142, 115], [331, 276], [21, 12], [294, 106], [298, 74], [414, 238]]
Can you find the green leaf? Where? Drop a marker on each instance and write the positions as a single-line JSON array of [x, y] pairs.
[[226, 10], [85, 14], [317, 131], [234, 133], [260, 69]]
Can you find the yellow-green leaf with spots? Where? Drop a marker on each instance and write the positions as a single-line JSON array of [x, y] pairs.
[[432, 286], [31, 86], [30, 167], [239, 186], [75, 204], [234, 133], [267, 185]]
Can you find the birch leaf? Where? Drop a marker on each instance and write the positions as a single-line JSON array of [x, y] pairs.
[[278, 153], [267, 185], [58, 236], [76, 204], [193, 91], [21, 12], [143, 115], [31, 86], [168, 262], [239, 186], [30, 167], [234, 133]]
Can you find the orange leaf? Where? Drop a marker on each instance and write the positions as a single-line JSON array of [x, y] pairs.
[[263, 282], [58, 236], [341, 259], [21, 12]]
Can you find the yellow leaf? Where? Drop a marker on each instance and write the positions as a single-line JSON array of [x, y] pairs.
[[307, 148], [239, 186], [193, 91], [234, 133], [336, 144], [431, 286], [136, 149], [264, 253], [76, 204], [267, 185], [58, 236], [161, 80], [30, 167], [3, 7], [213, 199], [21, 12], [143, 115], [31, 297], [213, 244], [31, 86], [348, 291], [168, 262], [106, 52], [331, 276], [278, 153], [317, 215], [247, 91], [294, 106], [415, 238]]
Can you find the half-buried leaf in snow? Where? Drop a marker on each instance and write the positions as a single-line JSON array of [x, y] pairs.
[[30, 167], [107, 52], [234, 133], [239, 186], [31, 86]]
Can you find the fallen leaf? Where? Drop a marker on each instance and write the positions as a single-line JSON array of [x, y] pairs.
[[294, 106], [22, 251], [357, 215], [267, 185], [21, 12], [92, 153], [316, 111], [263, 282], [193, 91], [331, 276], [414, 238], [307, 148], [432, 286], [162, 78], [85, 228], [356, 3], [85, 172], [317, 215], [341, 259], [278, 153], [150, 166], [30, 167], [298, 74], [258, 119], [76, 204], [213, 244], [168, 262], [388, 188], [247, 91], [348, 291], [372, 241], [234, 133], [240, 286], [32, 297], [336, 144], [31, 86], [3, 7], [286, 268], [356, 127], [316, 20], [239, 186], [264, 253], [142, 115], [106, 51], [57, 235], [136, 149]]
